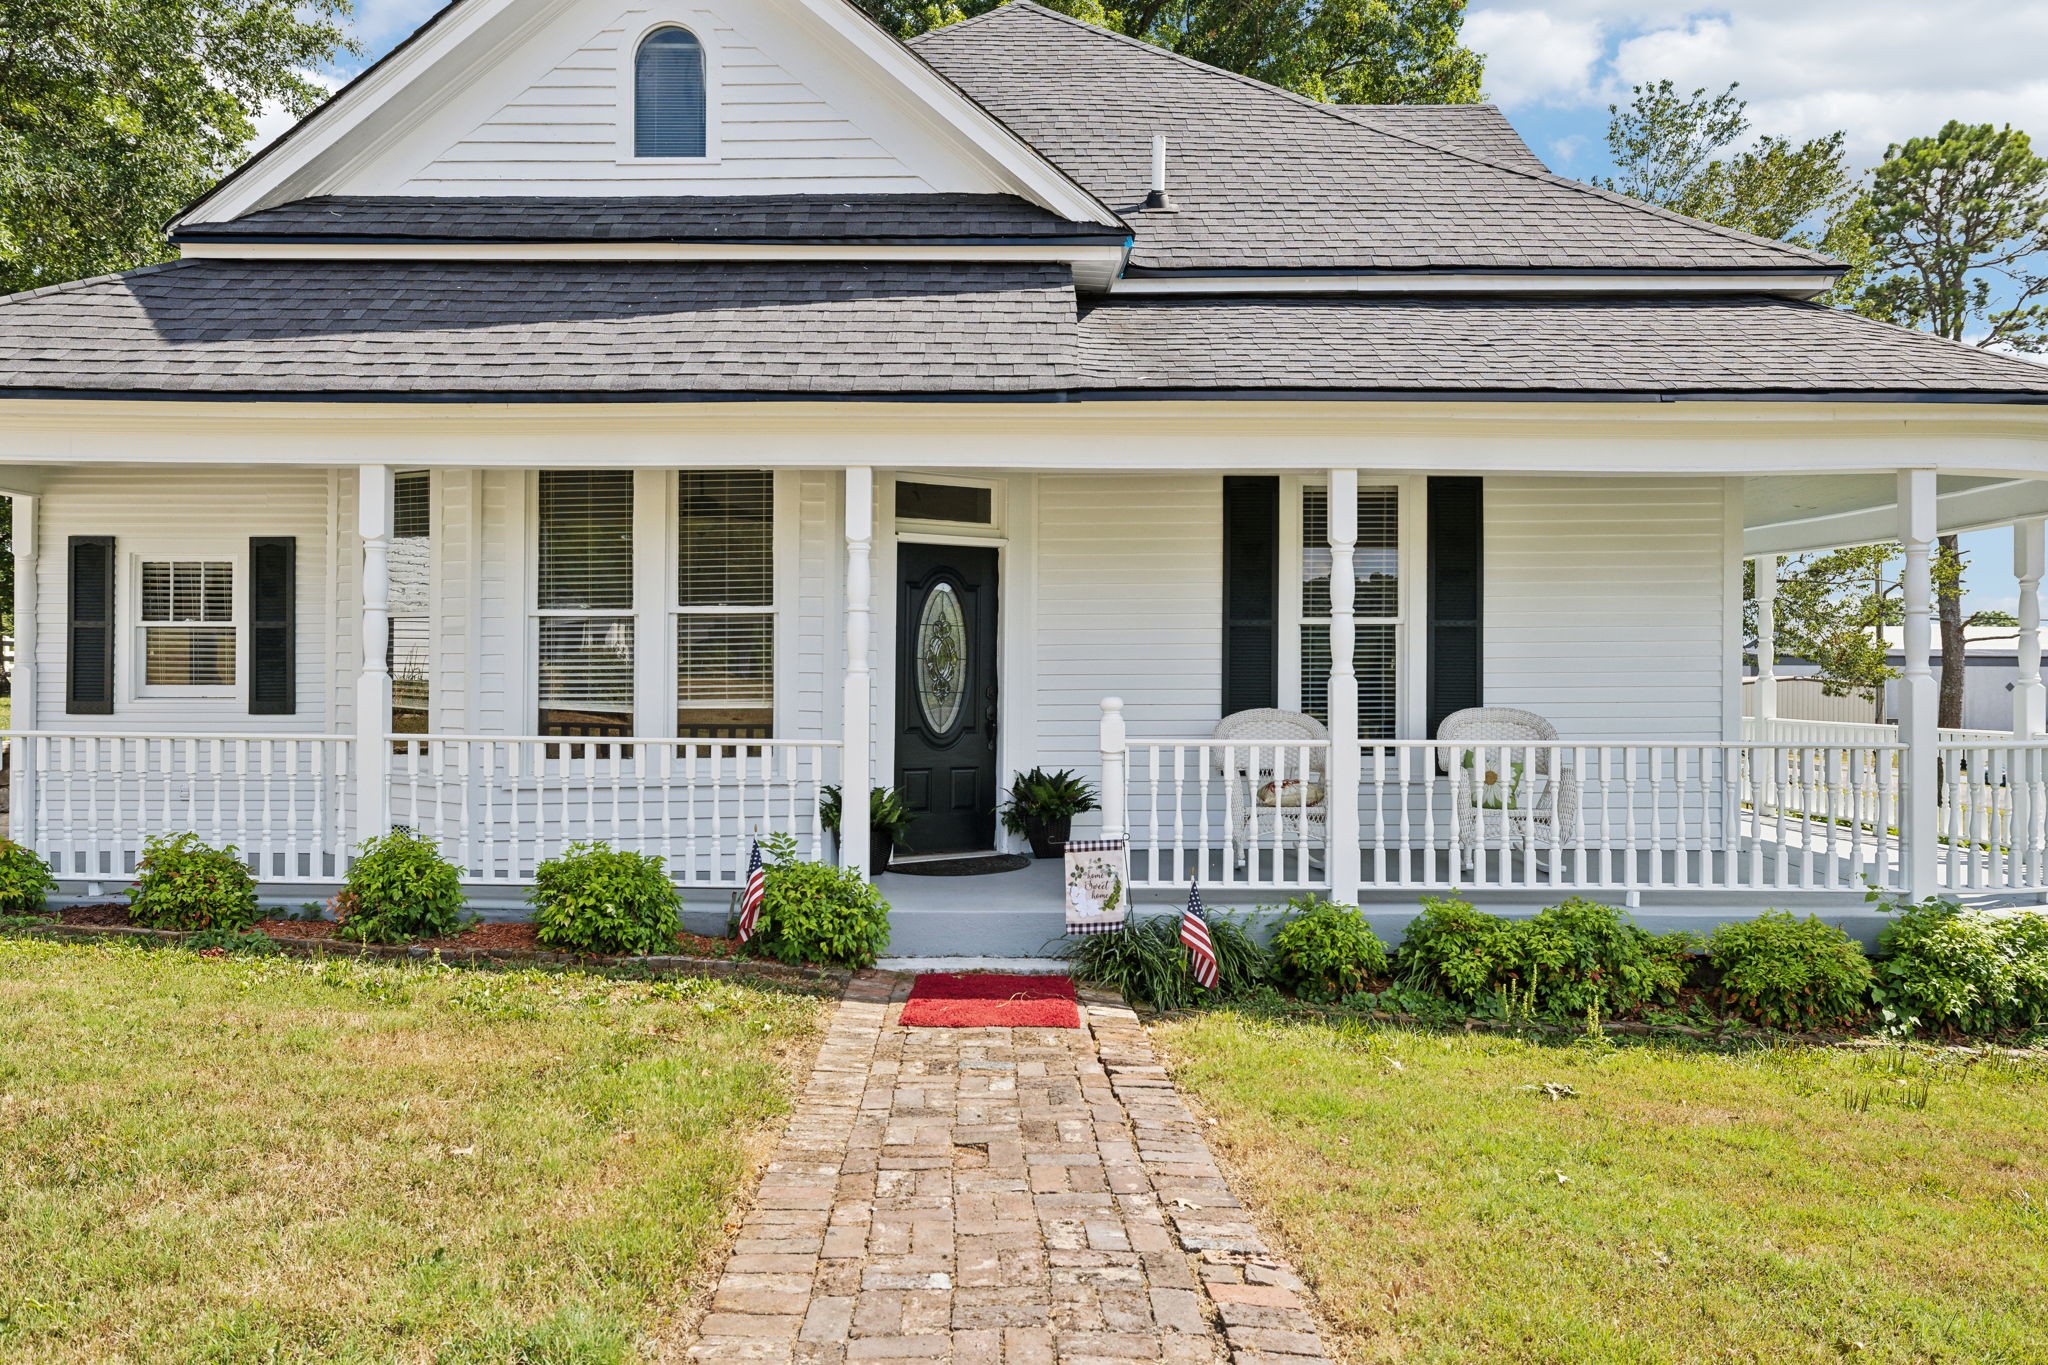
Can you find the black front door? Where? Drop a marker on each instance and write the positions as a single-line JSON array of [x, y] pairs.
[[946, 696]]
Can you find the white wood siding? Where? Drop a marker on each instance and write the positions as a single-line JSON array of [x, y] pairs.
[[1129, 604], [192, 514], [1606, 604]]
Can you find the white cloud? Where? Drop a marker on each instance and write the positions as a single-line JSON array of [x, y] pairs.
[[1532, 55]]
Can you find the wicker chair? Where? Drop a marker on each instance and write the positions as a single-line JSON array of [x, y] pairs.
[[1265, 790], [1534, 803]]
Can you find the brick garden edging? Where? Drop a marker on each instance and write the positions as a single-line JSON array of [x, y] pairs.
[[827, 979]]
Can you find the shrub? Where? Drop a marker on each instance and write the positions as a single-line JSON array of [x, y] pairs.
[[25, 880], [815, 912], [182, 883], [1325, 951], [1789, 973], [1564, 961], [593, 898], [1145, 962], [399, 889], [1965, 969]]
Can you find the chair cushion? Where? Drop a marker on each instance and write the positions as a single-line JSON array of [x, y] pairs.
[[1290, 793]]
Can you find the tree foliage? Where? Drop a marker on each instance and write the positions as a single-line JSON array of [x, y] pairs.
[[114, 114], [1342, 51]]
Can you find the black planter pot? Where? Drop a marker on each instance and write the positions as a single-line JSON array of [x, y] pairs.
[[1048, 837], [881, 847]]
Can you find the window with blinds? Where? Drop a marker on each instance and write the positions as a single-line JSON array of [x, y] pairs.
[[725, 604], [1376, 603], [188, 623], [585, 602], [669, 114], [412, 551]]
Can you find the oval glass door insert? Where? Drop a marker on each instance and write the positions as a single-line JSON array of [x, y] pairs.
[[941, 659]]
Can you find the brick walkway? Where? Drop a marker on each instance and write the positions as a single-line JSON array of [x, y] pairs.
[[996, 1195]]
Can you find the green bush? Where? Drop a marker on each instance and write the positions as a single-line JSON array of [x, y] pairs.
[[25, 880], [182, 883], [1325, 951], [1789, 973], [593, 898], [400, 888], [1145, 962], [1971, 970], [815, 912], [1563, 962]]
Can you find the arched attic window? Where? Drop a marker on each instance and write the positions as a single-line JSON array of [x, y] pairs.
[[668, 94]]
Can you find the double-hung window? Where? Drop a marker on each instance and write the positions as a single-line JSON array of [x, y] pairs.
[[412, 549], [725, 604], [1376, 605], [585, 603], [188, 623]]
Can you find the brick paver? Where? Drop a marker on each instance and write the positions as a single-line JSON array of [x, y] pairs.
[[998, 1197]]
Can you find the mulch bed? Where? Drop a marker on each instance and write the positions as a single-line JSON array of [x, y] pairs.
[[106, 915], [484, 936]]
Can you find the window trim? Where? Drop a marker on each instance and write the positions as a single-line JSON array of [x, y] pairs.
[[131, 663], [432, 615], [627, 103], [782, 531]]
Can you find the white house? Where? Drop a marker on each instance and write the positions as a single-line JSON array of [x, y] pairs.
[[621, 418]]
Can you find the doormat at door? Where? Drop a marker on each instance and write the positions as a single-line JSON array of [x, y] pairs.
[[990, 1000], [979, 866]]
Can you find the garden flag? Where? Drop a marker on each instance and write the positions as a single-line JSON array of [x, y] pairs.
[[1194, 932], [750, 899], [1098, 871]]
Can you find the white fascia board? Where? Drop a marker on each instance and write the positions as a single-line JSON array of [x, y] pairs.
[[1093, 265], [1793, 285], [1970, 509]]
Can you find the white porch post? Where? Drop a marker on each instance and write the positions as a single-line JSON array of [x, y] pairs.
[[22, 800], [373, 685], [1116, 792], [1340, 772], [2029, 697], [857, 765], [1919, 806], [1766, 637]]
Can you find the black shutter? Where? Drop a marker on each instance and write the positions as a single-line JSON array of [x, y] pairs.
[[1457, 591], [1251, 593], [273, 631], [89, 651]]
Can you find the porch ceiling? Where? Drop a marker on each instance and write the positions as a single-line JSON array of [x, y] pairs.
[[1792, 514]]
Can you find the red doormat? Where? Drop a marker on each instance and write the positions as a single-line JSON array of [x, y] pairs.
[[990, 1000]]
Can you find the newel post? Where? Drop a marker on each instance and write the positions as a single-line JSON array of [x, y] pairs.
[[2029, 698], [1116, 813], [1341, 765], [1919, 710], [856, 766], [373, 684]]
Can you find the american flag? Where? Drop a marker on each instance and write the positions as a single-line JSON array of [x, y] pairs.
[[1194, 932], [750, 899]]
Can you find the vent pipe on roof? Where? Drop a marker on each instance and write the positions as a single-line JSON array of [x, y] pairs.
[[1158, 199]]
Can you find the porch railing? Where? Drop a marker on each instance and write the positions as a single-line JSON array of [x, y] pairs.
[[88, 802], [1993, 815], [499, 806]]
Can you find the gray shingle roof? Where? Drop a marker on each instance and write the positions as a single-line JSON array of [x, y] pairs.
[[1468, 344], [1262, 178], [748, 218], [388, 327], [1479, 130]]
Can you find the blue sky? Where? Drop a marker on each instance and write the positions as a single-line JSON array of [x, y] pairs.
[[1879, 70]]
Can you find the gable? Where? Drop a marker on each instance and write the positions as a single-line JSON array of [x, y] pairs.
[[533, 98]]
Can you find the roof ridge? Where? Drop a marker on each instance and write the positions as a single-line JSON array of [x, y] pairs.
[[72, 286], [1344, 114]]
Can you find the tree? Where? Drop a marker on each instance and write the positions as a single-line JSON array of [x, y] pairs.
[[1343, 51], [1831, 611], [1957, 232], [116, 113], [1673, 151]]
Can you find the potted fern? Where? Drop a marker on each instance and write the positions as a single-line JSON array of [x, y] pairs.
[[1041, 806], [888, 818]]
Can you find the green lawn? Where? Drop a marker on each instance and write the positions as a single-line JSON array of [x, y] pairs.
[[273, 1159], [1682, 1205]]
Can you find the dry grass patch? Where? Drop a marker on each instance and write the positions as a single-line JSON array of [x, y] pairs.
[[274, 1159], [1655, 1204]]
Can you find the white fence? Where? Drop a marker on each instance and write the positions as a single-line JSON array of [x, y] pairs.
[[498, 807], [88, 802], [1994, 815]]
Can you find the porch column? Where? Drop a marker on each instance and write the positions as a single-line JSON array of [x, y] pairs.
[[2029, 698], [373, 685], [1919, 803], [1340, 773], [1766, 637], [857, 762], [21, 824]]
